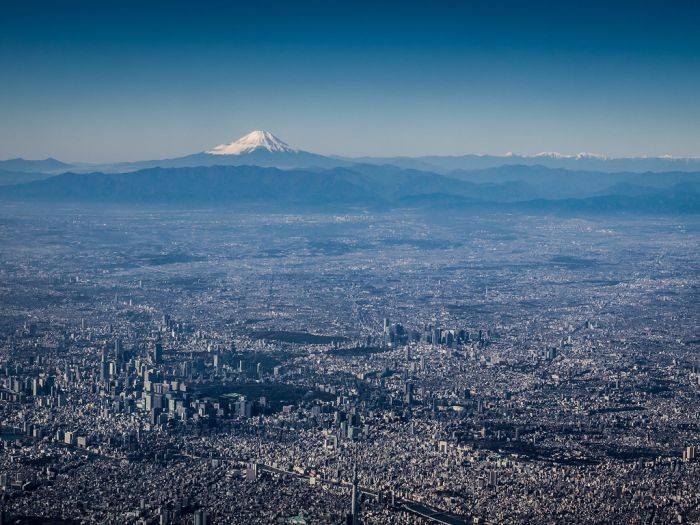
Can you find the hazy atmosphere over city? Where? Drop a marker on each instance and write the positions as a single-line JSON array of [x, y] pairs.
[[349, 263]]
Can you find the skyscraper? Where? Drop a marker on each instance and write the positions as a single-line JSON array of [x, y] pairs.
[[408, 393], [158, 353], [201, 517]]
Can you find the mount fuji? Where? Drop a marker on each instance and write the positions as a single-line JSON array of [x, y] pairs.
[[255, 140], [257, 148]]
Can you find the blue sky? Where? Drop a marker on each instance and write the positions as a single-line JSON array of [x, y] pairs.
[[106, 81]]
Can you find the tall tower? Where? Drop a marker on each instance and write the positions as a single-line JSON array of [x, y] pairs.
[[355, 506]]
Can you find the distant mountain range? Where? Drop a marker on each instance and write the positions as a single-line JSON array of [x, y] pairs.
[[36, 166], [262, 148], [371, 186], [582, 161], [262, 169]]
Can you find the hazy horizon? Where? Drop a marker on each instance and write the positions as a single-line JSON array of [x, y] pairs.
[[544, 153]]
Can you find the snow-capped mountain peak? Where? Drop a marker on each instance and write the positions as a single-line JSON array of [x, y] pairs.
[[578, 156], [251, 142]]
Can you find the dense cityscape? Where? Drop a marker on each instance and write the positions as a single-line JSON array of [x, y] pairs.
[[349, 262], [208, 367]]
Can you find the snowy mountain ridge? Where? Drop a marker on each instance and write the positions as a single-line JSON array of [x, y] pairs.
[[253, 141]]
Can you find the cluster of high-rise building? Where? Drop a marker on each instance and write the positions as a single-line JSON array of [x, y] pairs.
[[395, 334]]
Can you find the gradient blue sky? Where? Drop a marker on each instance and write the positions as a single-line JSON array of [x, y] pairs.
[[104, 81]]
